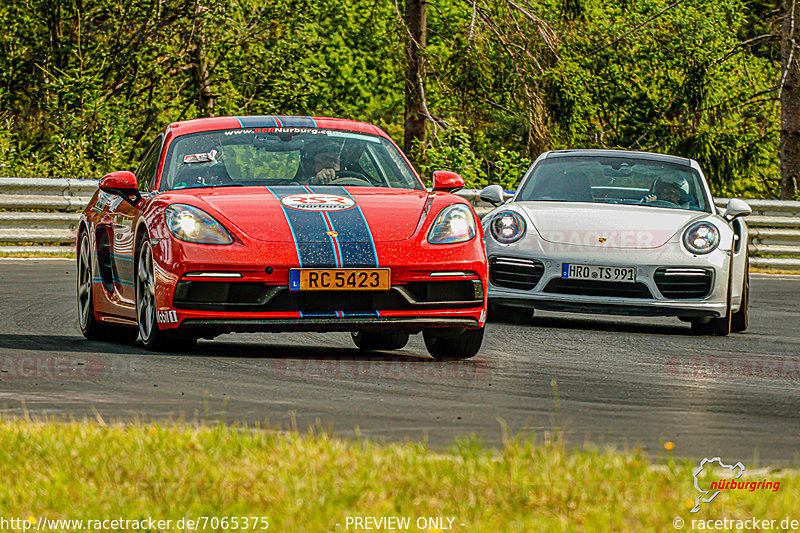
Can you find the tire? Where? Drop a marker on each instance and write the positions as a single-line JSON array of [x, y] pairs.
[[740, 320], [380, 339], [152, 337], [91, 328], [718, 327], [453, 347], [508, 314]]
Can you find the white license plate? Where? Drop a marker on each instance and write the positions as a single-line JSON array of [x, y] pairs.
[[598, 273]]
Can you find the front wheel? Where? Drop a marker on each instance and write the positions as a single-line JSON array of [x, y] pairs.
[[150, 334], [719, 327], [445, 346], [739, 321], [380, 340]]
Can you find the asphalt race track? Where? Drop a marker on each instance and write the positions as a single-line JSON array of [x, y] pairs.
[[626, 382]]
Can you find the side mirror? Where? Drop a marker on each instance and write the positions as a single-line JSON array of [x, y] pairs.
[[736, 208], [122, 183], [493, 194], [444, 180]]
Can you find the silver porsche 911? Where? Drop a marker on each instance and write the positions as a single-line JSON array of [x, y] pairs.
[[618, 232]]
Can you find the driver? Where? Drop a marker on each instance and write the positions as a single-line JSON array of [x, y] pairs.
[[322, 161], [667, 191], [664, 191]]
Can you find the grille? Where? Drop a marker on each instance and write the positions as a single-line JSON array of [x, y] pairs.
[[221, 295], [446, 291], [515, 273], [260, 297], [683, 283], [611, 289]]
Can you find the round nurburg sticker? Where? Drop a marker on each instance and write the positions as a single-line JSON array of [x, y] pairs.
[[317, 202]]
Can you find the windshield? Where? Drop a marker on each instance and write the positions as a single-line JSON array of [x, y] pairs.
[[615, 180], [285, 156]]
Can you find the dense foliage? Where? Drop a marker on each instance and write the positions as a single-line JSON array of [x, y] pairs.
[[84, 86]]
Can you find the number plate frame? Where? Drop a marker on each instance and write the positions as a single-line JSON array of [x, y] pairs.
[[620, 274], [303, 279]]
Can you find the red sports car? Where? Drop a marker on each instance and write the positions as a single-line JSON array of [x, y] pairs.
[[278, 223]]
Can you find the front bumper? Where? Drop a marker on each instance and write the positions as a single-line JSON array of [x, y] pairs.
[[550, 293], [259, 299]]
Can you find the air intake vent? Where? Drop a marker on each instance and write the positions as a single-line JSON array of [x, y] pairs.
[[684, 283], [515, 273], [613, 289]]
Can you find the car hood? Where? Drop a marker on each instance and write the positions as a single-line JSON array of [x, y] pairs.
[[607, 226], [281, 214]]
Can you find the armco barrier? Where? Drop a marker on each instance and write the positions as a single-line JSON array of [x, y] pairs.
[[40, 215]]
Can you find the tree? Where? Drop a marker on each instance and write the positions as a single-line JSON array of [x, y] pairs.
[[415, 112], [790, 100]]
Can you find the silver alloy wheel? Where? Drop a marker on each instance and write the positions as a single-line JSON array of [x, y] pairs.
[[84, 282], [145, 292]]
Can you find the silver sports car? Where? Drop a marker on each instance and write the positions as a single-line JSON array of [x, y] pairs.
[[618, 232]]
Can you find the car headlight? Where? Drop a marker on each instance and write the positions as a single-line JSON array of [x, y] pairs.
[[453, 224], [507, 227], [701, 238], [191, 224]]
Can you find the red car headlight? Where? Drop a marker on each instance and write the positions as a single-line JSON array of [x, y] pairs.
[[191, 224]]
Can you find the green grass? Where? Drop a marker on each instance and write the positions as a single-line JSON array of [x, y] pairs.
[[312, 482]]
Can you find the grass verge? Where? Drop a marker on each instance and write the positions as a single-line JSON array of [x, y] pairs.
[[83, 470]]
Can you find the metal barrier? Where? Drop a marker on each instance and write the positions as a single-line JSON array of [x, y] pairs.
[[39, 215]]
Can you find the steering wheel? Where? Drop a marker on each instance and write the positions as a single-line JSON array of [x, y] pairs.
[[350, 177], [661, 203]]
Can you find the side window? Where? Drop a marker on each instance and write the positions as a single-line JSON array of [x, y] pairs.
[[147, 168]]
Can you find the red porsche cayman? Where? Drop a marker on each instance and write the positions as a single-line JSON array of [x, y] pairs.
[[277, 223]]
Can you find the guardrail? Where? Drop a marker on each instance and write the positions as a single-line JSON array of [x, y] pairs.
[[40, 215]]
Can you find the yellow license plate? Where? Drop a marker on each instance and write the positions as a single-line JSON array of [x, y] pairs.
[[340, 279]]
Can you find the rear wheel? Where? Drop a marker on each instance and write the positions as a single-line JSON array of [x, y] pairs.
[[740, 319], [150, 334], [446, 346], [91, 328], [380, 339]]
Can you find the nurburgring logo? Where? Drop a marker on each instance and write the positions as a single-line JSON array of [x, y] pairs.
[[317, 202], [706, 496]]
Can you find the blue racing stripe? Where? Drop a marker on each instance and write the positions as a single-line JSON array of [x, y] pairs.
[[321, 314], [354, 237], [276, 121], [258, 121], [294, 236], [314, 246], [122, 257], [297, 122], [356, 314]]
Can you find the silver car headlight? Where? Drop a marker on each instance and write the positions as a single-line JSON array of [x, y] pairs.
[[701, 238], [191, 224], [453, 224], [507, 227]]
